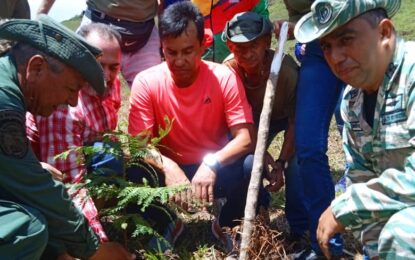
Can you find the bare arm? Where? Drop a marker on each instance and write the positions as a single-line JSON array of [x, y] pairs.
[[243, 142], [45, 6], [287, 149], [276, 175]]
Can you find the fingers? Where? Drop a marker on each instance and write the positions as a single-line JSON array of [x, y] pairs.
[[196, 190], [324, 245], [274, 187], [204, 194], [210, 194], [323, 236], [277, 27]]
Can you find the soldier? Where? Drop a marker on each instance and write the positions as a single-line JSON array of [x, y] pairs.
[[363, 49], [45, 68]]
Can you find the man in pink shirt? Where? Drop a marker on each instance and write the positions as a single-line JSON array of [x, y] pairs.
[[212, 127]]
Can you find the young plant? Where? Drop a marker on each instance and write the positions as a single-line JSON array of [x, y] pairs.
[[109, 178]]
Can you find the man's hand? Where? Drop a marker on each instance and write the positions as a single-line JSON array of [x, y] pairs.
[[203, 184], [112, 251], [56, 174], [274, 173], [276, 179], [277, 28], [174, 176], [328, 226]]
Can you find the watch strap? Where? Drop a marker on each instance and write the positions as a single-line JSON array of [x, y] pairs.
[[283, 163]]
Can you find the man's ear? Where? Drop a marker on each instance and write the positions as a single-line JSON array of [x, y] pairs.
[[36, 68], [386, 30]]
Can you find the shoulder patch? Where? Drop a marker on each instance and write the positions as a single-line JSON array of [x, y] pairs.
[[13, 140]]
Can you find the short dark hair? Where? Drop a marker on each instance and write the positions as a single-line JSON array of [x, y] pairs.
[[176, 18], [374, 16], [22, 52], [105, 31]]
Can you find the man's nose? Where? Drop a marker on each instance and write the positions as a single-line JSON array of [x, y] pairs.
[[337, 55]]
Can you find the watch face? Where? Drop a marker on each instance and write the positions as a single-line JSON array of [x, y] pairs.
[[210, 160]]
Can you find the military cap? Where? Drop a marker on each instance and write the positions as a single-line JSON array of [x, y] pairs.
[[246, 27], [327, 15], [56, 40]]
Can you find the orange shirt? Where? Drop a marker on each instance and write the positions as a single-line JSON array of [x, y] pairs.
[[202, 112]]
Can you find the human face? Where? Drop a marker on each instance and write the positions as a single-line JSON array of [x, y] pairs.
[[46, 90], [183, 55], [110, 59], [359, 54], [250, 55]]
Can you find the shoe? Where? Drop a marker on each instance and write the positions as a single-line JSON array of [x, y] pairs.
[[224, 238], [171, 234], [306, 254]]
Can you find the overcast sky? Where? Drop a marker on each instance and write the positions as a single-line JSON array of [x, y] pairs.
[[61, 9]]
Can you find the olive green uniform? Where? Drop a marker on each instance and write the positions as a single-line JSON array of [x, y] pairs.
[[35, 211]]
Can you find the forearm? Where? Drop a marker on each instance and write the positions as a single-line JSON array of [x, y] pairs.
[[287, 149], [45, 6], [31, 185], [242, 143], [295, 15], [377, 199], [173, 174]]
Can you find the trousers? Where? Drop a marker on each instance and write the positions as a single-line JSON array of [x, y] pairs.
[[318, 91]]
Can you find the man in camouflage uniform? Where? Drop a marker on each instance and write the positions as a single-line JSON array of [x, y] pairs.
[[363, 49]]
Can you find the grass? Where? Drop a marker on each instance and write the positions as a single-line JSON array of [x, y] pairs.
[[199, 246]]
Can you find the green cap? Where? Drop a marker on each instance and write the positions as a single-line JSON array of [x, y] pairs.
[[327, 15], [246, 27], [56, 40]]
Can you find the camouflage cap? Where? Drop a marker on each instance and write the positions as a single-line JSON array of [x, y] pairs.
[[56, 40], [246, 27], [327, 15]]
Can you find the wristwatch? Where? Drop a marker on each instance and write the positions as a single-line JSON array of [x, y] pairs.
[[283, 163], [212, 162]]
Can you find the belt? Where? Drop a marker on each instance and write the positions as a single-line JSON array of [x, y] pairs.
[[91, 12]]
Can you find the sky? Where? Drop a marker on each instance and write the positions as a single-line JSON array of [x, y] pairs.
[[61, 9]]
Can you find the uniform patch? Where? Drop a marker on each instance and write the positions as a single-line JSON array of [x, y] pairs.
[[356, 126], [13, 140], [394, 112]]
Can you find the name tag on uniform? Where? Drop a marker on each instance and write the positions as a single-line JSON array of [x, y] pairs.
[[394, 112]]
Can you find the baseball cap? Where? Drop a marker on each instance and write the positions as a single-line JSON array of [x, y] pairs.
[[246, 27], [327, 15]]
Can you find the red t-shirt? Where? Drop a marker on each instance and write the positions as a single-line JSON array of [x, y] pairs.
[[202, 112]]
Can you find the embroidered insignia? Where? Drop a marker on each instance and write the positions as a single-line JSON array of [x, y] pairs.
[[13, 140], [324, 12], [394, 112], [355, 126]]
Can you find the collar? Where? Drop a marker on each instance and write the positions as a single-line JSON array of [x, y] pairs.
[[396, 62]]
